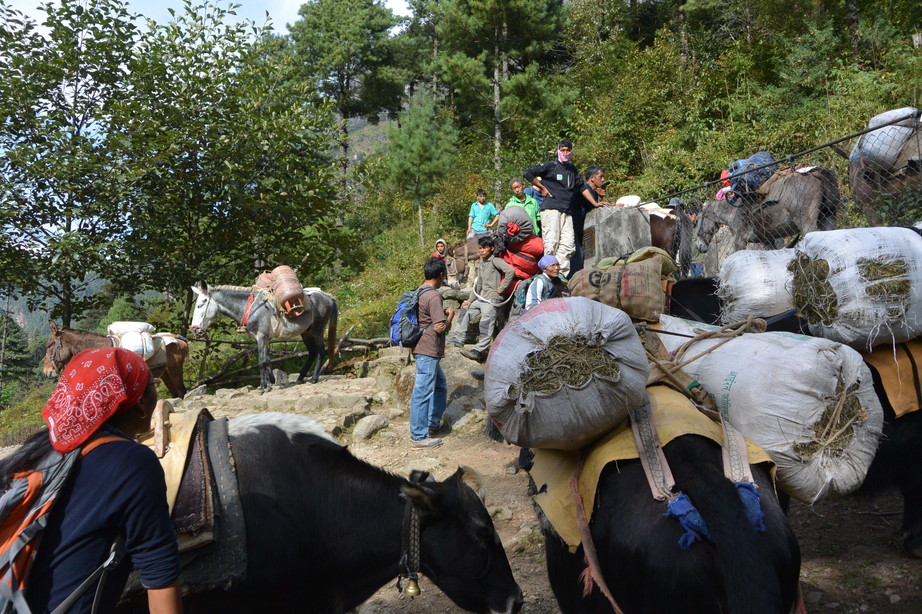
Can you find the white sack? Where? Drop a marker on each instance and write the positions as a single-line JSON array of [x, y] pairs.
[[139, 342], [571, 417], [881, 148], [755, 283], [775, 387], [863, 320], [120, 328]]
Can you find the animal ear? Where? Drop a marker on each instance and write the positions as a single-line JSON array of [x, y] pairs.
[[472, 478], [200, 287], [53, 327], [420, 496]]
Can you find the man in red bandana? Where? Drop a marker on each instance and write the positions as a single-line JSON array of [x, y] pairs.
[[116, 490]]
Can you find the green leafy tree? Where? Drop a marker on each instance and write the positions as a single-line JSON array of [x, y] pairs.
[[234, 165], [61, 185], [490, 56], [17, 364], [421, 151], [345, 46]]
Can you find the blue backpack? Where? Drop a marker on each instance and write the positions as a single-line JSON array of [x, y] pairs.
[[404, 327]]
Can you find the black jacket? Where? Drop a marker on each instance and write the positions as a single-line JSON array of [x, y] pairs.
[[563, 181]]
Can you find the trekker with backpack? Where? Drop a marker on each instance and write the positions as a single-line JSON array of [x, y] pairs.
[[105, 497], [430, 390]]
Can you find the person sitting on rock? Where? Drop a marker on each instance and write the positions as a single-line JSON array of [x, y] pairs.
[[451, 267], [494, 276], [546, 284]]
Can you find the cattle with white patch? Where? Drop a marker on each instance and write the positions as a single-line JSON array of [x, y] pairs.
[[324, 530]]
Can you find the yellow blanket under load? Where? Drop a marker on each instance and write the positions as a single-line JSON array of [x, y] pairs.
[[673, 415], [898, 366]]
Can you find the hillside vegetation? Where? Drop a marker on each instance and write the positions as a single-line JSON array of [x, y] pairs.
[[132, 179]]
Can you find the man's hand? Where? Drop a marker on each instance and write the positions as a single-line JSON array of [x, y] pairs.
[[466, 304], [603, 204], [450, 313]]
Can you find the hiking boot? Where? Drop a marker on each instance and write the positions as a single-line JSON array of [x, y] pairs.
[[477, 355], [428, 442], [454, 342], [478, 375], [441, 430]]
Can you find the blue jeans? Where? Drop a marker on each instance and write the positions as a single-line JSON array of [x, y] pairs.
[[430, 394], [697, 269]]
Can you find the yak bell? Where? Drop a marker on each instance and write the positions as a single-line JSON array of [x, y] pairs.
[[412, 589]]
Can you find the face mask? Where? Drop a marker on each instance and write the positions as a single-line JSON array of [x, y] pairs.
[[564, 157]]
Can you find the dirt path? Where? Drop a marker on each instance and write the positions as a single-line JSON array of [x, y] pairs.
[[852, 560]]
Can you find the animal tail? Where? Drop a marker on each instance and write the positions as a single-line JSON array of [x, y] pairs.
[[331, 334], [751, 580], [683, 240], [829, 206]]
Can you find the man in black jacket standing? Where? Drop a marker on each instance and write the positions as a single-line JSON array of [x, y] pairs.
[[559, 184]]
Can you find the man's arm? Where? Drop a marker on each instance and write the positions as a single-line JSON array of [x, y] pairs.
[[533, 175], [508, 274], [587, 194], [166, 600]]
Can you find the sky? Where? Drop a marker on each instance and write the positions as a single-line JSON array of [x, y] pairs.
[[282, 12]]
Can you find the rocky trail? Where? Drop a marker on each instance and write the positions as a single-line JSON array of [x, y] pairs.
[[852, 559]]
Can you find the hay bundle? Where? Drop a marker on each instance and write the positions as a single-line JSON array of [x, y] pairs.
[[809, 402], [755, 283], [862, 287], [564, 374]]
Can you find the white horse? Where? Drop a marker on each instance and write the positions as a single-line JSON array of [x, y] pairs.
[[264, 322]]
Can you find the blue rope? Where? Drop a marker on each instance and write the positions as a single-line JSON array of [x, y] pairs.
[[682, 509], [750, 496]]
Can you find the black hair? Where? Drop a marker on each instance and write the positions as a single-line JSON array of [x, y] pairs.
[[481, 192], [592, 171], [26, 457], [434, 268], [565, 143], [486, 242]]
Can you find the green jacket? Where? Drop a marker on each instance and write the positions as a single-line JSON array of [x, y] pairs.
[[531, 207]]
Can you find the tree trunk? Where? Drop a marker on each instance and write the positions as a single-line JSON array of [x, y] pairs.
[[499, 68], [419, 211], [852, 16]]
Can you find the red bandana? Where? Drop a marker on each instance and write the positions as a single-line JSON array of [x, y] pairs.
[[94, 386]]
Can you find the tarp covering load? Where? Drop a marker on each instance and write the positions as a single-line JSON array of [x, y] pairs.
[[755, 283], [514, 225], [861, 286], [614, 231], [748, 174], [635, 285], [882, 147], [285, 287], [564, 374], [809, 402], [134, 336]]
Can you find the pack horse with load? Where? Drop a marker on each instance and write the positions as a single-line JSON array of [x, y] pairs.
[[275, 307]]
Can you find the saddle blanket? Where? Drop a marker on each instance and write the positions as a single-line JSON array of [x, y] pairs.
[[673, 414], [898, 367]]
